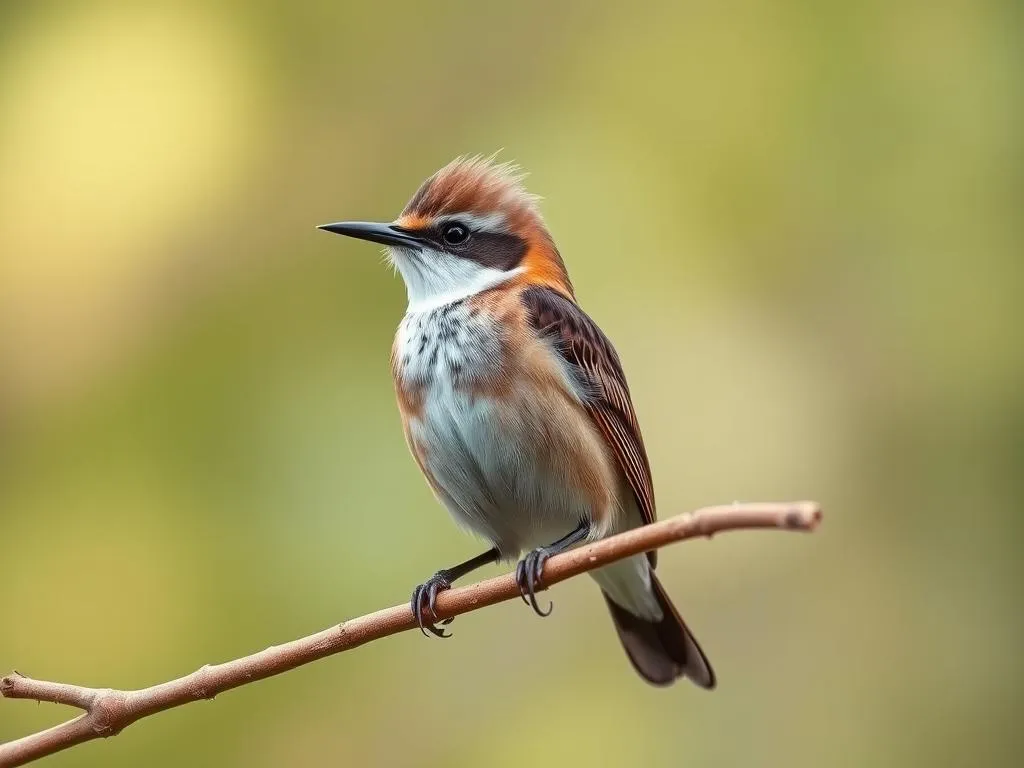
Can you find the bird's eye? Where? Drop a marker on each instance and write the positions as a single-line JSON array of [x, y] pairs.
[[455, 233]]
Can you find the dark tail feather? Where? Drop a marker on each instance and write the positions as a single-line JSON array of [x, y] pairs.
[[664, 650]]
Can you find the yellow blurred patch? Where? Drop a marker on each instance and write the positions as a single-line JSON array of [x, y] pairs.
[[116, 129]]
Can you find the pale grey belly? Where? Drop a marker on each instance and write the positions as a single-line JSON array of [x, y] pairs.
[[492, 475], [496, 481]]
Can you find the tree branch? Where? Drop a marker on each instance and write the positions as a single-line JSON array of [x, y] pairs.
[[108, 711]]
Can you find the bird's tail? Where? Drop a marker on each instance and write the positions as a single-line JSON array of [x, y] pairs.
[[661, 649]]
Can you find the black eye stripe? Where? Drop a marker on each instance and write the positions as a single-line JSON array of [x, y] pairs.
[[435, 234], [494, 250]]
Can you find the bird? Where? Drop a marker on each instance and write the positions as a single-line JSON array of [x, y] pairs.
[[515, 406]]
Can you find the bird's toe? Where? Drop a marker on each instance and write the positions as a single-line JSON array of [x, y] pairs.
[[424, 604], [528, 577]]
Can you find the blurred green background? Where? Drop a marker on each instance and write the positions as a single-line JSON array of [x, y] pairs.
[[799, 222]]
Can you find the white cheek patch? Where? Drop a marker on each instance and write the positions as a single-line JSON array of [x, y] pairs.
[[435, 278]]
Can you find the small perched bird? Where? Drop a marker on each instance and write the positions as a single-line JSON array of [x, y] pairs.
[[515, 406]]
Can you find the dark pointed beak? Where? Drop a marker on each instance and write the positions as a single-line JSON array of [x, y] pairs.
[[385, 234]]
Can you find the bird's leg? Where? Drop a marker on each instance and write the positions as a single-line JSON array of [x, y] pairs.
[[424, 597], [529, 569]]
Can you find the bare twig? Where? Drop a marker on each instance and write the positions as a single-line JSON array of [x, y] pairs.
[[108, 711]]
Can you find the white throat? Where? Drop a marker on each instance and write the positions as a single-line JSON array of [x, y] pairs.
[[435, 278]]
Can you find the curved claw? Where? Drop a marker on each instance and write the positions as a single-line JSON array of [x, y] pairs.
[[436, 585], [521, 579], [428, 593], [528, 573], [538, 564], [416, 604], [533, 579]]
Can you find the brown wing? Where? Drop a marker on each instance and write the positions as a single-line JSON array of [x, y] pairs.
[[596, 365]]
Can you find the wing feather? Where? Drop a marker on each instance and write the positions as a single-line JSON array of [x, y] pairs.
[[595, 363]]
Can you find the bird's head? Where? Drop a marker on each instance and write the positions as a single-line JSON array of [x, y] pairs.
[[470, 227]]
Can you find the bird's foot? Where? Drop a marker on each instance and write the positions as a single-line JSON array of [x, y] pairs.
[[528, 573], [424, 604]]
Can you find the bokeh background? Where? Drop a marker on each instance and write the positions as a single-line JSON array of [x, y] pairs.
[[801, 225]]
